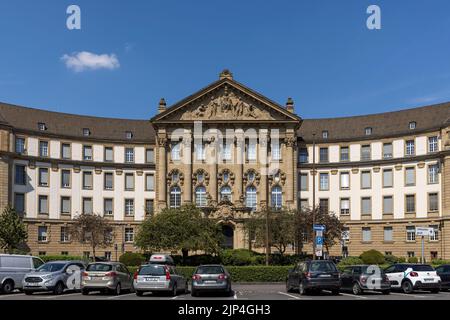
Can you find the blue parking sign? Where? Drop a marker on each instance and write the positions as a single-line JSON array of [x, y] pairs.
[[319, 240]]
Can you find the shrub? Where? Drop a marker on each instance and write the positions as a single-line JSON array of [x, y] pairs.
[[349, 261], [248, 273], [372, 257], [61, 257], [390, 259], [132, 259], [438, 262], [413, 260], [238, 257], [401, 260], [196, 260]]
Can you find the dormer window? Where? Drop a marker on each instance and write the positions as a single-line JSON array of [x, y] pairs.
[[412, 125], [41, 126], [368, 131], [86, 132], [128, 135], [325, 134]]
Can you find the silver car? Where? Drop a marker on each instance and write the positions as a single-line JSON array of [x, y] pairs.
[[113, 277], [13, 268], [159, 278], [54, 276], [209, 278]]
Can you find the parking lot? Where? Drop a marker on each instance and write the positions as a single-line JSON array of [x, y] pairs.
[[276, 291]]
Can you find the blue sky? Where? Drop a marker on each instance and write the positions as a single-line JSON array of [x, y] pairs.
[[318, 52]]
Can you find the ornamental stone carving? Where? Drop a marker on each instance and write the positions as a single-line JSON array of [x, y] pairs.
[[175, 177], [203, 181], [162, 141], [222, 180], [277, 178], [290, 141], [251, 177]]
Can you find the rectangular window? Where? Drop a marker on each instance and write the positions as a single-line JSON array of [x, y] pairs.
[[108, 181], [87, 206], [65, 178], [43, 204], [303, 155], [366, 205], [87, 180], [20, 145], [345, 154], [387, 178], [129, 207], [410, 176], [87, 153], [387, 151], [129, 155], [433, 144], [43, 148], [149, 206], [149, 182], [303, 181], [64, 235], [433, 173], [176, 151], [388, 205], [129, 234], [366, 234], [410, 148], [410, 233], [366, 152], [251, 150], [65, 151], [345, 180], [366, 180], [129, 181], [388, 234], [109, 154], [20, 176], [345, 206], [43, 177], [276, 151], [150, 155], [323, 154], [435, 236], [42, 234], [410, 254], [65, 205], [410, 203], [433, 202], [108, 207], [324, 181], [226, 151], [323, 205], [19, 203]]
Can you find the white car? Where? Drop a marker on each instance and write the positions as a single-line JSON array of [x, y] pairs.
[[409, 277]]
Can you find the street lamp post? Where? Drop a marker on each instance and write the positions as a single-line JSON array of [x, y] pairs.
[[314, 194]]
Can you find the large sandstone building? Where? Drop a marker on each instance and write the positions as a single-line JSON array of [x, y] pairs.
[[231, 150]]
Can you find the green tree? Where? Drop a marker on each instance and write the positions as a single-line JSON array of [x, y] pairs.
[[179, 229], [93, 229], [13, 232]]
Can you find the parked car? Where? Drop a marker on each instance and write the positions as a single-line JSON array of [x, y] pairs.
[[409, 277], [110, 277], [51, 276], [211, 277], [444, 272], [159, 278], [13, 269], [161, 259], [358, 278], [314, 275]]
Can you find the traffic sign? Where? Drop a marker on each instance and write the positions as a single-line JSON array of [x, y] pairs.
[[319, 252], [319, 240], [319, 233], [422, 231], [319, 227]]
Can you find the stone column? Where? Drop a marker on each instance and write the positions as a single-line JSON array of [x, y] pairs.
[[239, 164], [263, 160], [162, 170], [290, 142], [187, 164]]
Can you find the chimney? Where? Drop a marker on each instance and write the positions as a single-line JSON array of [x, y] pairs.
[[290, 105], [162, 105]]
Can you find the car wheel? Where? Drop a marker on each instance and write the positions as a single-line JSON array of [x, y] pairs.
[[118, 290], [301, 289], [8, 287], [435, 291], [288, 287], [84, 292], [386, 292], [407, 287], [174, 290], [139, 293], [194, 293], [28, 292], [335, 292], [356, 289], [59, 289]]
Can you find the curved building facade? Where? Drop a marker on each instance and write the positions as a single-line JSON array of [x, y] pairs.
[[231, 150]]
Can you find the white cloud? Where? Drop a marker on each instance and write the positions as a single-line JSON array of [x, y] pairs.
[[81, 61]]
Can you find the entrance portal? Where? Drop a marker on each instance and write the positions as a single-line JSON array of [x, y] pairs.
[[228, 235]]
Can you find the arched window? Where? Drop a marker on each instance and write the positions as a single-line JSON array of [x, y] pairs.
[[200, 197], [250, 197], [225, 193], [276, 197], [175, 197]]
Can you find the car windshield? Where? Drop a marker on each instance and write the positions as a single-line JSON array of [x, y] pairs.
[[322, 267], [153, 270], [51, 267], [421, 267], [209, 270], [101, 267]]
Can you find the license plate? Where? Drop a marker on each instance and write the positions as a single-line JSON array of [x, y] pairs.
[[428, 279], [151, 279], [325, 275], [33, 284], [210, 281]]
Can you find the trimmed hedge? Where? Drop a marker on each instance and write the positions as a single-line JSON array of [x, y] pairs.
[[132, 259], [372, 257], [244, 273]]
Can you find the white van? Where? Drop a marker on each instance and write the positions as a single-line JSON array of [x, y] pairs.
[[13, 269]]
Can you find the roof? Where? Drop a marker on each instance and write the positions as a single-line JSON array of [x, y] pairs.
[[388, 124], [71, 125]]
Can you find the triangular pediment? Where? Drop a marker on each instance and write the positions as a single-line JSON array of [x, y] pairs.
[[224, 101]]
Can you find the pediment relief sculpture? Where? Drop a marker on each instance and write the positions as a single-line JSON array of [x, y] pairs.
[[226, 106]]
